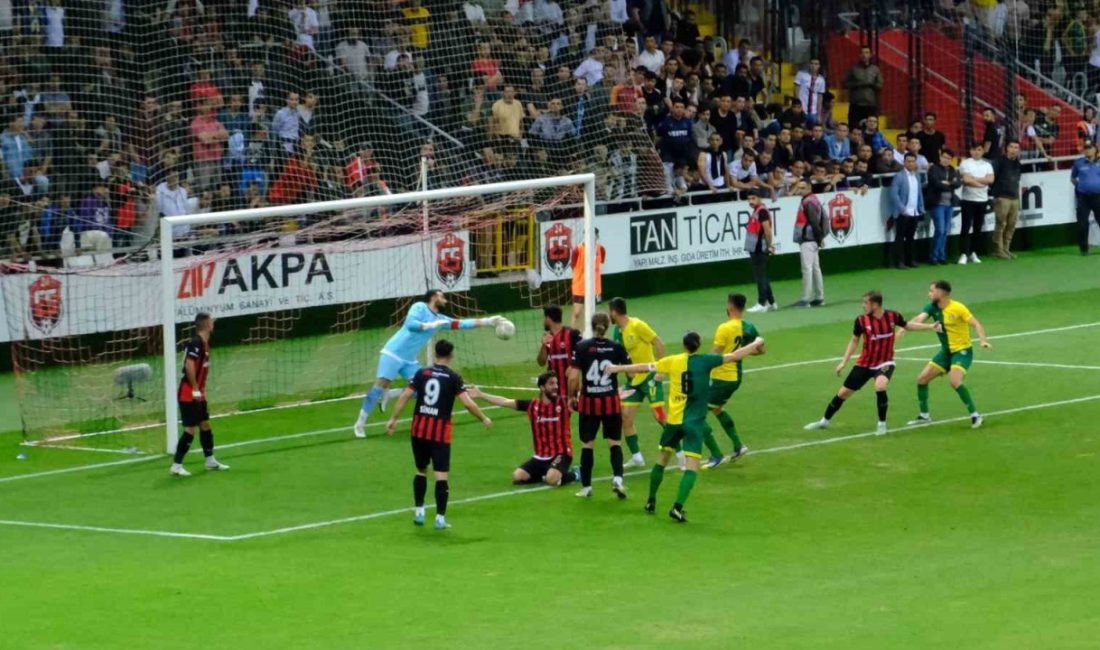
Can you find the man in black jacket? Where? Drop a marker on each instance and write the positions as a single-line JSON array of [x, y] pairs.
[[1006, 199]]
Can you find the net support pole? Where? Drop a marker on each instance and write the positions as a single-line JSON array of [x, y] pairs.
[[589, 254], [429, 350], [168, 325]]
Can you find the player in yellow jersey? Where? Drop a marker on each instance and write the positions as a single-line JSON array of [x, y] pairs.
[[644, 346], [956, 351], [726, 379]]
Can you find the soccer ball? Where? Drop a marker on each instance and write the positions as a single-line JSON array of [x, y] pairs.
[[506, 329]]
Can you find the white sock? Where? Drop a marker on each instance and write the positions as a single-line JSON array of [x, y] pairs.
[[440, 519], [925, 415], [420, 512], [617, 480], [362, 417], [637, 457], [176, 465]]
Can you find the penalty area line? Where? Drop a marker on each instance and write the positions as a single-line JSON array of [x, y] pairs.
[[1022, 364]]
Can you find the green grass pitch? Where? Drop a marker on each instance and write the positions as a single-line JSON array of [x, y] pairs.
[[925, 538]]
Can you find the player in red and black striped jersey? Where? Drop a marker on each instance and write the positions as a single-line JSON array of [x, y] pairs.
[[550, 432], [558, 345], [191, 396], [596, 396], [436, 388], [878, 328]]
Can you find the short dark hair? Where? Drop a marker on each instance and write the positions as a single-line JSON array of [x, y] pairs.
[[874, 296], [947, 151], [553, 312], [617, 305], [930, 114], [942, 285], [738, 300], [545, 377], [910, 155], [444, 349], [1017, 142], [977, 145], [692, 341], [202, 319], [429, 294]]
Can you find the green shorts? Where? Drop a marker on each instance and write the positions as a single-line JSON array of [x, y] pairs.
[[690, 433], [945, 360], [650, 389], [721, 391]]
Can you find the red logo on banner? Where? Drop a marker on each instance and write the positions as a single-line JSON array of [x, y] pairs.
[[195, 281], [450, 260], [46, 303], [840, 217], [559, 247]]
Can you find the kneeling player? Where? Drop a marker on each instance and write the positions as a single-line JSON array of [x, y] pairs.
[[878, 328], [689, 387], [192, 398], [436, 389], [549, 416]]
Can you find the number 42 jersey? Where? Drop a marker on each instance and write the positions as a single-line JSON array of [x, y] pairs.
[[599, 391]]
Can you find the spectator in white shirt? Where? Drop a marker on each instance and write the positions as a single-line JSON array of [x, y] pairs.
[[811, 86], [977, 175], [55, 24], [306, 24], [353, 53], [475, 13], [591, 69], [285, 124], [617, 11], [171, 200], [651, 58], [740, 55]]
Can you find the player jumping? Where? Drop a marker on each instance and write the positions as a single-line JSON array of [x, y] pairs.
[[192, 398], [644, 346], [436, 389], [956, 351], [597, 401], [550, 431], [399, 355], [878, 328], [689, 376]]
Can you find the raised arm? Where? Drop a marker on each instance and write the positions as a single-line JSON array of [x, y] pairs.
[[495, 400], [629, 369], [473, 408], [402, 400], [981, 333], [848, 352]]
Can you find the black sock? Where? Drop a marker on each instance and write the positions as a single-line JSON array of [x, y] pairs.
[[182, 446], [617, 460], [567, 477], [442, 492], [587, 460], [883, 404], [833, 407], [420, 488], [206, 439]]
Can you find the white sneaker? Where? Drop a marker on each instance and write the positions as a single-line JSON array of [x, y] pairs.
[[920, 420], [360, 428], [213, 465], [585, 493], [739, 454], [756, 309], [974, 259], [881, 429], [976, 420], [816, 426], [178, 470], [637, 460], [618, 488], [773, 307], [962, 259]]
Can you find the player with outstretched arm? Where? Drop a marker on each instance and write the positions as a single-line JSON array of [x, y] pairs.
[[194, 411], [436, 389], [399, 354]]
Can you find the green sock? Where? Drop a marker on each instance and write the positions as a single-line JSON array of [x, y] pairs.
[[712, 445], [731, 429], [632, 444], [964, 395], [656, 475], [922, 397], [686, 484]]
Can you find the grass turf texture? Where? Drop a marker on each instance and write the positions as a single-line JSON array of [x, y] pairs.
[[981, 539]]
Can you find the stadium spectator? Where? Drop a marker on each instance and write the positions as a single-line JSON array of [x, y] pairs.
[[993, 138], [931, 140], [1086, 183], [725, 122], [651, 58], [94, 217], [1031, 142], [943, 180], [913, 146], [687, 29], [907, 207], [1006, 200], [507, 116], [17, 150], [171, 199], [742, 54], [205, 89], [872, 136], [713, 167], [1086, 128], [864, 83], [811, 86], [286, 123], [353, 53], [306, 23], [794, 115], [840, 147], [592, 68], [552, 127], [809, 234], [207, 148], [814, 147], [418, 22], [744, 173], [486, 67], [977, 176], [298, 180]]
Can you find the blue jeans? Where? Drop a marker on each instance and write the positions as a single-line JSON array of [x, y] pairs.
[[941, 224]]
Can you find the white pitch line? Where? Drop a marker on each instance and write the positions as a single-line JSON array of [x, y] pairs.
[[1024, 364], [117, 531], [102, 450]]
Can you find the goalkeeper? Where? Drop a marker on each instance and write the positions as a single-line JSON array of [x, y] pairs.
[[399, 355]]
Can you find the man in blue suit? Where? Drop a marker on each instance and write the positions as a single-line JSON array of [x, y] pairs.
[[907, 206]]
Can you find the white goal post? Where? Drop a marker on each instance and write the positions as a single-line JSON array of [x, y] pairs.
[[168, 263]]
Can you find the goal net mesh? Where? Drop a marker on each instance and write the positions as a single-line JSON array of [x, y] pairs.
[[304, 306]]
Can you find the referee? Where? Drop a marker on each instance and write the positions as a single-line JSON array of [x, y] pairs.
[[1086, 180]]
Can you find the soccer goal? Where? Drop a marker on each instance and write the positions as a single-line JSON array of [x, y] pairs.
[[304, 297]]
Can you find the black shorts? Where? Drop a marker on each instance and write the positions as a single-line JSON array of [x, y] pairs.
[[612, 426], [437, 454], [194, 413], [860, 375], [537, 468]]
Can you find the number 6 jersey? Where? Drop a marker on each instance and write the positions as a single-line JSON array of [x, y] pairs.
[[688, 380], [436, 389], [599, 391]]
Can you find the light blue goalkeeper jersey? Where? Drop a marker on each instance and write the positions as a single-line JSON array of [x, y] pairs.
[[407, 342]]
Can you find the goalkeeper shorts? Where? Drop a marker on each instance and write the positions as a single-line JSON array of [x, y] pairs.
[[390, 367]]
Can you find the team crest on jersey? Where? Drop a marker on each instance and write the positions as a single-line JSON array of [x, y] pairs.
[[46, 303], [840, 217], [450, 260], [559, 248]]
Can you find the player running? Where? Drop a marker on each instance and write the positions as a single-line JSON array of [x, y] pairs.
[[549, 416], [878, 328], [597, 401], [192, 398], [689, 376], [726, 378], [644, 346], [558, 344], [956, 351], [436, 389], [399, 354]]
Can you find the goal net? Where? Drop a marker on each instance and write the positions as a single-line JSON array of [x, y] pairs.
[[304, 298]]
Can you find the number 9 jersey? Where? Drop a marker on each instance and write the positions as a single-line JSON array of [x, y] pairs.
[[599, 391], [436, 389]]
